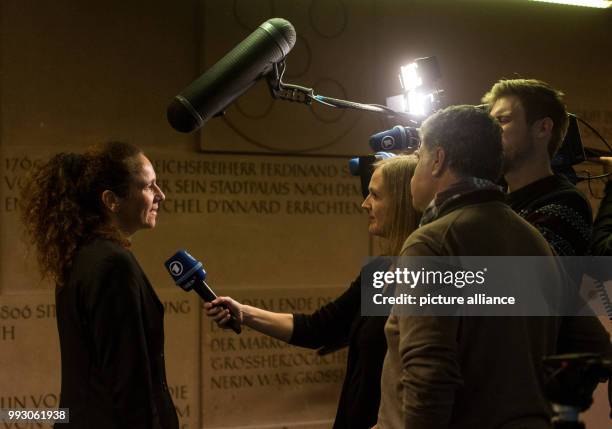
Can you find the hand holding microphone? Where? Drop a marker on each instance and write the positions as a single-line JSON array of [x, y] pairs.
[[188, 273], [221, 310]]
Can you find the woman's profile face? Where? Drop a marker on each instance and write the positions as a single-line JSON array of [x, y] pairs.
[[139, 208], [377, 204]]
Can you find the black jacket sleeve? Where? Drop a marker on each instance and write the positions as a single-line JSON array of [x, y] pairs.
[[329, 325], [565, 222]]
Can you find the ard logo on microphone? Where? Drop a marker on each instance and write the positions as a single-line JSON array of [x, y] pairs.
[[387, 142], [176, 268]]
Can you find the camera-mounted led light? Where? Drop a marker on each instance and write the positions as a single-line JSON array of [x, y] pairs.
[[418, 80], [409, 77], [417, 103]]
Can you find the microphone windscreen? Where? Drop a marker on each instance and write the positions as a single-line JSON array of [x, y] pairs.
[[396, 138], [232, 75], [185, 269], [388, 140]]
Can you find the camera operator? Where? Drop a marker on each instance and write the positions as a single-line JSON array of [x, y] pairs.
[[534, 122]]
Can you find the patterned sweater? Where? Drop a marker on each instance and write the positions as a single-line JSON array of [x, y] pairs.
[[559, 211], [563, 215]]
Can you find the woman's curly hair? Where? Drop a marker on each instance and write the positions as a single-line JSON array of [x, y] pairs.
[[61, 206]]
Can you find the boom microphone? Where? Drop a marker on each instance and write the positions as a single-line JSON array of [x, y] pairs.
[[397, 138], [232, 75], [188, 273]]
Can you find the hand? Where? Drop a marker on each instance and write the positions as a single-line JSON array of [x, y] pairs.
[[219, 310]]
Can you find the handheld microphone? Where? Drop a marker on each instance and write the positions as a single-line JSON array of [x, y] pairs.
[[356, 163], [397, 138], [188, 273], [232, 75]]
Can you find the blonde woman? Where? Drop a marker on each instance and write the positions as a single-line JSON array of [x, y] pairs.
[[339, 323]]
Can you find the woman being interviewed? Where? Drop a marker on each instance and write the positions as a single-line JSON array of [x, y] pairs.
[[80, 212], [391, 216]]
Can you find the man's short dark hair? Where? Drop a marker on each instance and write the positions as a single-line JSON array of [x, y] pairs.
[[539, 100], [470, 138]]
